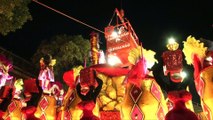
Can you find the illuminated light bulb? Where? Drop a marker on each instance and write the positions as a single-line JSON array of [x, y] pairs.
[[114, 34], [208, 58], [171, 41], [172, 44], [183, 74], [113, 60]]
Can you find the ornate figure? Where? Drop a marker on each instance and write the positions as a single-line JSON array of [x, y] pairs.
[[172, 62], [46, 109], [143, 99], [201, 58], [14, 110], [88, 94], [5, 67], [46, 74], [69, 110]]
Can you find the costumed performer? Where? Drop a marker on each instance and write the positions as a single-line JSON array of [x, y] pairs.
[[14, 110], [46, 74], [68, 109], [5, 67], [88, 94]]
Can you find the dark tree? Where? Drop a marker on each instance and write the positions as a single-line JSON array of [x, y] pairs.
[[13, 15], [69, 51]]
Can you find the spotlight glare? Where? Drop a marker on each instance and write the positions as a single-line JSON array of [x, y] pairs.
[[183, 74], [171, 40]]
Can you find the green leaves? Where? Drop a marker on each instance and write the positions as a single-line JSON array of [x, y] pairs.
[[69, 51], [13, 15]]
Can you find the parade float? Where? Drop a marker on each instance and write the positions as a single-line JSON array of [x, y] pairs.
[[118, 86], [200, 56]]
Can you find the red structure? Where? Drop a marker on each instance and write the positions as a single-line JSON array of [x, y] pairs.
[[120, 39]]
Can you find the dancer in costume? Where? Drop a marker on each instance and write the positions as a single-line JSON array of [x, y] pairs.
[[14, 110], [88, 94], [68, 109], [46, 74], [5, 67], [46, 108], [5, 90]]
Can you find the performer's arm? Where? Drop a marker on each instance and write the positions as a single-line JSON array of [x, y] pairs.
[[78, 88], [98, 88]]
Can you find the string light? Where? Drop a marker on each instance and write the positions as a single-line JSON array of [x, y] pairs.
[[72, 18]]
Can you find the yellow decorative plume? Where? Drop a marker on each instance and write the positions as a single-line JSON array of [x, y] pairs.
[[136, 53], [192, 46], [52, 62], [19, 84], [77, 70]]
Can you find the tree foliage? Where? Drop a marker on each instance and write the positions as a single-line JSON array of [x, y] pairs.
[[13, 15], [69, 51]]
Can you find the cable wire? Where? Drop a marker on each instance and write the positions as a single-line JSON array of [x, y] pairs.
[[72, 18]]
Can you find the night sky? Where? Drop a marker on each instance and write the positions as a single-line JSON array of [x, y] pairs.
[[153, 21]]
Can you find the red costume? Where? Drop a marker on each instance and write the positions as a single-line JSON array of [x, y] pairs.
[[179, 111], [87, 107], [89, 99]]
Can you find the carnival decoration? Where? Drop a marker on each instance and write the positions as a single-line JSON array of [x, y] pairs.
[[69, 110], [5, 67], [120, 39], [143, 98], [14, 110], [172, 60], [110, 98], [94, 43], [46, 109], [200, 57], [88, 97], [46, 74]]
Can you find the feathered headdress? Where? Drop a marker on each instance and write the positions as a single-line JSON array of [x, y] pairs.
[[51, 62], [139, 52], [140, 58], [193, 47], [70, 77], [18, 84], [5, 64]]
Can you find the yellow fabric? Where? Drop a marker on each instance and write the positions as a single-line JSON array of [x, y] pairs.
[[136, 53], [50, 111], [77, 71], [15, 114], [207, 98], [147, 103], [112, 92], [73, 108], [19, 84]]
